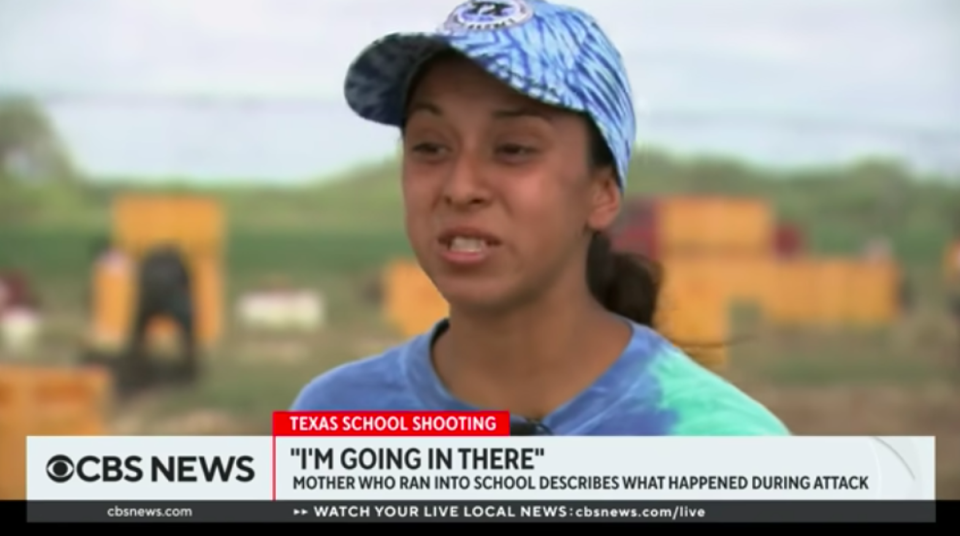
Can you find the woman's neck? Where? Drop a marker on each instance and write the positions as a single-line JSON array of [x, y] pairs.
[[530, 360]]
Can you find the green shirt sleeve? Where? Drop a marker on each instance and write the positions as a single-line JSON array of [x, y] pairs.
[[708, 405]]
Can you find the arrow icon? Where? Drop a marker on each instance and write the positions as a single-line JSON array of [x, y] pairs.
[[299, 512]]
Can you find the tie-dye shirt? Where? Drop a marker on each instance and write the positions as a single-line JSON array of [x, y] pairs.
[[652, 389]]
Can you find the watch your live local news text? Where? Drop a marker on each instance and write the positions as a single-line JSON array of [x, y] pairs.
[[454, 463]]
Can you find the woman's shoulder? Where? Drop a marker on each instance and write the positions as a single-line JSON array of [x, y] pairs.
[[706, 404], [377, 382]]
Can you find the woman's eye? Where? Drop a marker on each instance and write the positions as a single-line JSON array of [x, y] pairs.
[[515, 149], [427, 148]]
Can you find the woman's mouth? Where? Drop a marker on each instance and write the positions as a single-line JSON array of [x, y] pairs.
[[466, 247]]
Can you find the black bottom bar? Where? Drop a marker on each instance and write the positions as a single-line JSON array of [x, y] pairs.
[[483, 512]]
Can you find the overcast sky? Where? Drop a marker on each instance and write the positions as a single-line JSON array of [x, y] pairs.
[[776, 81]]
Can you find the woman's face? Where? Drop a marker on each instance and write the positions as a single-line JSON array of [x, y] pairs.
[[499, 191]]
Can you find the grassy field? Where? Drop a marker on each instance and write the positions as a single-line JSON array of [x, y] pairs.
[[905, 380]]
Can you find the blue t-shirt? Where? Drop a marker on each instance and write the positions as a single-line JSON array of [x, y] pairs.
[[652, 389]]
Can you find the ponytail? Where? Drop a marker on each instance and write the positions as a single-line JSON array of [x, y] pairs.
[[629, 285], [624, 283]]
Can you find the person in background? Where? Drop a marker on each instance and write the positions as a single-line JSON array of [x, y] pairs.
[[165, 291], [518, 127]]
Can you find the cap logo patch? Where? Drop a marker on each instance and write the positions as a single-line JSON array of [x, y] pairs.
[[478, 15]]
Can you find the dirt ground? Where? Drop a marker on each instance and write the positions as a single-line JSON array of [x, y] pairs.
[[906, 382], [877, 411]]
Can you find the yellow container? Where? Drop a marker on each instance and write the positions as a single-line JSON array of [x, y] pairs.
[[13, 395], [747, 224], [831, 289], [198, 224], [835, 293], [693, 312], [793, 298], [208, 291], [874, 294], [13, 457], [412, 303], [45, 401], [744, 278], [114, 301], [715, 224], [195, 224]]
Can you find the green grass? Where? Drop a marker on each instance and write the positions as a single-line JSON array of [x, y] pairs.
[[66, 253], [799, 371], [341, 221]]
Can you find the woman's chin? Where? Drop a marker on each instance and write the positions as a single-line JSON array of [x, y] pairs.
[[476, 298]]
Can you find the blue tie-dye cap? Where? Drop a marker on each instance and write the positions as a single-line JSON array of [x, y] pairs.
[[549, 52]]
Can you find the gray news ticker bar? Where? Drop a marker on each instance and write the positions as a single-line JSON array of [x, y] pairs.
[[481, 511]]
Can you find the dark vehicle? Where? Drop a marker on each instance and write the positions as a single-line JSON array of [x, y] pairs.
[[164, 290]]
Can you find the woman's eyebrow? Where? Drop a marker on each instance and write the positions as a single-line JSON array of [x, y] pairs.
[[522, 112], [421, 106]]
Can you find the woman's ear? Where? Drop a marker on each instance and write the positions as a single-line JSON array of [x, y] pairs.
[[605, 199]]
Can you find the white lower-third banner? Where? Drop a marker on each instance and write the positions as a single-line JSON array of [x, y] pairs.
[[480, 469]]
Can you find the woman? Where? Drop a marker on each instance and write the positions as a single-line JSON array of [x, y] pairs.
[[517, 127]]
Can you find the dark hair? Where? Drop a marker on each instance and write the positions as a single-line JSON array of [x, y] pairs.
[[627, 284]]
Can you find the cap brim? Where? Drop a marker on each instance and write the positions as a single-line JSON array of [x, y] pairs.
[[377, 81]]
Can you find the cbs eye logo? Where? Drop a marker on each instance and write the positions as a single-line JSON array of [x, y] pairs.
[[60, 469]]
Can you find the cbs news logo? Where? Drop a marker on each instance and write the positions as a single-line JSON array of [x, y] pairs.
[[62, 469]]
